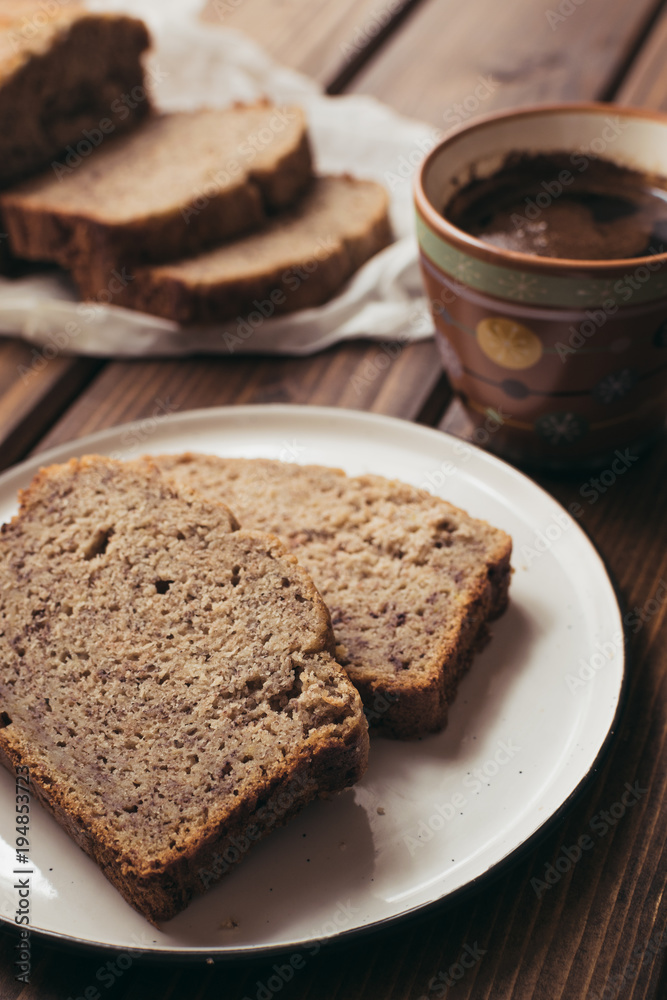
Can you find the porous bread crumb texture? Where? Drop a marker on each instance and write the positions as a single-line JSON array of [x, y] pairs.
[[298, 260], [182, 182], [62, 71], [166, 678], [411, 581]]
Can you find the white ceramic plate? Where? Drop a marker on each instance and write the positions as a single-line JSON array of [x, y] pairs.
[[430, 817]]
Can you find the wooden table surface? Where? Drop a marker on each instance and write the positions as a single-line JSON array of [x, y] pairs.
[[601, 932]]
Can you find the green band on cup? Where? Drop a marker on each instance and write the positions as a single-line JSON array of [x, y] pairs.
[[637, 286]]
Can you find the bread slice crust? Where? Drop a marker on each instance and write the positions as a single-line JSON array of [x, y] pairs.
[[184, 181], [298, 260], [411, 581], [166, 677]]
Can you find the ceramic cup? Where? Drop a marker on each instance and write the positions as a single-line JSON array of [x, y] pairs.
[[563, 361]]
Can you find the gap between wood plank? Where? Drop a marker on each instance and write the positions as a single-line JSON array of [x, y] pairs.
[[23, 433], [634, 53], [347, 73]]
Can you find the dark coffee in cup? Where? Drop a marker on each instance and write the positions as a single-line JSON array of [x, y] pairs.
[[564, 205]]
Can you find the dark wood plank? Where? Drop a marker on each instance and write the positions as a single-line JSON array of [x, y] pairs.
[[646, 82], [317, 37], [364, 375], [34, 390], [452, 61]]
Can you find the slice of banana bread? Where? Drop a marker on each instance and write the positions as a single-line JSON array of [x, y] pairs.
[[180, 183], [410, 580], [300, 259], [166, 678], [67, 78]]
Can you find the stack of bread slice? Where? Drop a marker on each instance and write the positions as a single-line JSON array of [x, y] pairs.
[[166, 679], [154, 219], [177, 684], [411, 581]]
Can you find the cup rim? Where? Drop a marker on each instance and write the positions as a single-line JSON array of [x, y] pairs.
[[498, 255]]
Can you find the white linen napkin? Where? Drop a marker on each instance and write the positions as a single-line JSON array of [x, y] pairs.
[[193, 64]]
